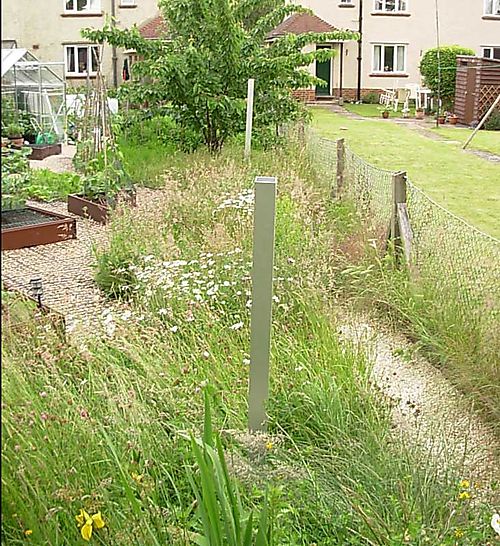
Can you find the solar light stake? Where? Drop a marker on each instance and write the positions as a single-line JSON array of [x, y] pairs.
[[37, 289], [262, 297]]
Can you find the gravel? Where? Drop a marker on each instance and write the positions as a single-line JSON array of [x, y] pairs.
[[427, 410]]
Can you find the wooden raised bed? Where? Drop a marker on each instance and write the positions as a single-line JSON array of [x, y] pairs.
[[98, 210], [41, 151], [31, 226]]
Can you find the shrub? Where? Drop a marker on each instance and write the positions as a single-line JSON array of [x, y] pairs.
[[429, 68], [371, 98], [493, 123]]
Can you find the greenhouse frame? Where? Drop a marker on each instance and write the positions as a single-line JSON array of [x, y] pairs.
[[34, 90]]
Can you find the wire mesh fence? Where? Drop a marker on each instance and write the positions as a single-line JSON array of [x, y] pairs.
[[458, 262]]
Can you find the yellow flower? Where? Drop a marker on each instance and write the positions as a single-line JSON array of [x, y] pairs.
[[137, 477], [269, 446], [464, 495], [459, 533], [28, 532], [87, 522], [464, 484]]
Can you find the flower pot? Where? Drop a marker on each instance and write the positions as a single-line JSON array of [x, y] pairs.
[[17, 141], [419, 114], [41, 151], [441, 120], [453, 119], [385, 114]]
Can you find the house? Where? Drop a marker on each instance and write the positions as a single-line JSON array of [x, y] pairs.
[[394, 36], [51, 30]]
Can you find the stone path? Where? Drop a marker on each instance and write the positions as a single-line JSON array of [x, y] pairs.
[[430, 412]]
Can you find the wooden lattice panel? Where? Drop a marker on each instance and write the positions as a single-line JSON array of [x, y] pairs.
[[487, 97]]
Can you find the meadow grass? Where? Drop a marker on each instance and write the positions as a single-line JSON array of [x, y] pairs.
[[375, 110], [465, 184], [105, 425]]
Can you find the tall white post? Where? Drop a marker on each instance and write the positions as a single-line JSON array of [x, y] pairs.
[[262, 298], [248, 134]]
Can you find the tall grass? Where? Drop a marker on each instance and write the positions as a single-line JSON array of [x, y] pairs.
[[106, 426]]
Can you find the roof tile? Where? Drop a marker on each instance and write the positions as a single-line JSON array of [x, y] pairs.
[[300, 23]]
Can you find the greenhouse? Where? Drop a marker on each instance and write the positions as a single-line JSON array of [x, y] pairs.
[[33, 96]]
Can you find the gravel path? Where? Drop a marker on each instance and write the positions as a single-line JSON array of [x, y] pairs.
[[430, 413], [67, 268]]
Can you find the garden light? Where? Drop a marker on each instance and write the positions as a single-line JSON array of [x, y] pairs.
[[37, 289]]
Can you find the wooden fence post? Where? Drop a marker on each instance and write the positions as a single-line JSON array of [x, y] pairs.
[[340, 168], [398, 196]]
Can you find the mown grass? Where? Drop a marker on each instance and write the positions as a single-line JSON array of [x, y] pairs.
[[465, 184], [375, 110], [485, 141], [104, 425]]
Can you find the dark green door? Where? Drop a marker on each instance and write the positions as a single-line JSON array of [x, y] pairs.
[[324, 72]]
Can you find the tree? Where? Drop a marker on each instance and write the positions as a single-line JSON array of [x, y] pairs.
[[442, 79], [213, 47]]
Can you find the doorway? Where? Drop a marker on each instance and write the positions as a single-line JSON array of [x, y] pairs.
[[324, 72]]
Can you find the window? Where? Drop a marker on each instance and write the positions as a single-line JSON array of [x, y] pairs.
[[127, 3], [491, 52], [82, 6], [346, 1], [391, 6], [389, 58], [77, 60], [492, 7]]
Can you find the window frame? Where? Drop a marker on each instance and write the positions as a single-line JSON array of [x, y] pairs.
[[77, 74], [128, 3], [76, 11], [494, 7], [393, 72], [492, 49], [385, 10]]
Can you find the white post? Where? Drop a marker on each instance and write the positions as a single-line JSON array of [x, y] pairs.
[[262, 298], [248, 135]]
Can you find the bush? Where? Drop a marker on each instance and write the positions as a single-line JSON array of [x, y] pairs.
[[493, 123], [371, 98], [429, 69]]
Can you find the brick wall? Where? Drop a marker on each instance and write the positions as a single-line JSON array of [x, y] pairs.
[[305, 95], [309, 95]]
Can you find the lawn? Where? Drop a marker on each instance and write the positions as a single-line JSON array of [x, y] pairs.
[[374, 110], [465, 184], [485, 141]]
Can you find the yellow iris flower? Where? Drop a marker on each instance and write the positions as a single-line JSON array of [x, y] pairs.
[[87, 522]]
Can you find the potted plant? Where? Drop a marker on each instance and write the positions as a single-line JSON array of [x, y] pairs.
[[14, 132], [419, 113], [441, 118], [44, 146], [453, 118], [384, 112]]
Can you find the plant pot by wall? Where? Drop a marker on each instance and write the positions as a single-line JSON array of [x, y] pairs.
[[18, 142], [453, 119], [419, 114], [441, 120]]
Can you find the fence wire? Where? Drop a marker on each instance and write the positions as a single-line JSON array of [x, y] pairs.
[[459, 263]]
